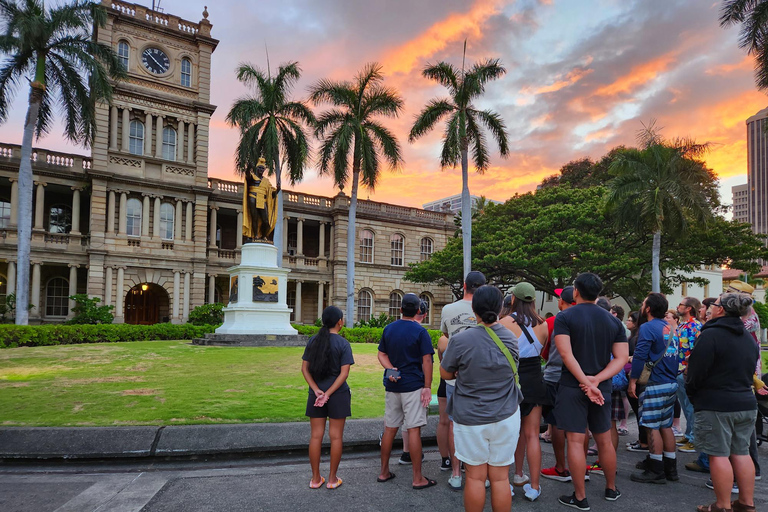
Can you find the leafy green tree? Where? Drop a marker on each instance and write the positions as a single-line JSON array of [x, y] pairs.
[[272, 127], [660, 188], [464, 128], [54, 50], [752, 15], [207, 314], [350, 130], [88, 311]]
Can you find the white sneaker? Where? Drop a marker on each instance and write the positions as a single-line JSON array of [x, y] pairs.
[[520, 481], [531, 494], [512, 490], [455, 482], [487, 484]]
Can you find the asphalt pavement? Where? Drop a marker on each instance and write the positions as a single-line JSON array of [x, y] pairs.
[[281, 484]]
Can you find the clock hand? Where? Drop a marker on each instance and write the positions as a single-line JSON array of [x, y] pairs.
[[154, 59]]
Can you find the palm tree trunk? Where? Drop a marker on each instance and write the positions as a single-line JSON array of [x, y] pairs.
[[466, 212], [656, 256], [277, 238], [351, 239], [25, 205]]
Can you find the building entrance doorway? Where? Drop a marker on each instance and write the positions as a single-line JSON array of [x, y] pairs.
[[146, 304]]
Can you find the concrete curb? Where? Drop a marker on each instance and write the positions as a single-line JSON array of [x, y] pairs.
[[18, 443]]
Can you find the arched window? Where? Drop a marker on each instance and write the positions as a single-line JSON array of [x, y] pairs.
[[136, 139], [5, 212], [167, 212], [123, 52], [169, 143], [395, 302], [426, 298], [57, 297], [133, 217], [186, 72], [396, 244], [366, 246], [427, 246], [364, 306], [60, 219]]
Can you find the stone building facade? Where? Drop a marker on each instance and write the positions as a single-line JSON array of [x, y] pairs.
[[140, 225]]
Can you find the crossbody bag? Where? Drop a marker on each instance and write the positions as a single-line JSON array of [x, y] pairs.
[[505, 351], [530, 338], [645, 375]]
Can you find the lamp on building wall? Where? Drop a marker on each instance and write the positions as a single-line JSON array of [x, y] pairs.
[[145, 287]]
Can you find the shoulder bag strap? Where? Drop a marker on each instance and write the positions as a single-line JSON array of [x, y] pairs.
[[666, 347], [504, 351], [528, 335]]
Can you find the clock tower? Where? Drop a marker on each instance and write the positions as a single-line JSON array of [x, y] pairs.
[[149, 197]]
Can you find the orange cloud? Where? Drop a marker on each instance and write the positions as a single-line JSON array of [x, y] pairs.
[[638, 76], [745, 64], [569, 79]]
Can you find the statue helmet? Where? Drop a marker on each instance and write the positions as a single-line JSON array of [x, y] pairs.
[[261, 163]]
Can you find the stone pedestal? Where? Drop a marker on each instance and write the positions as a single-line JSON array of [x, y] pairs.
[[257, 295]]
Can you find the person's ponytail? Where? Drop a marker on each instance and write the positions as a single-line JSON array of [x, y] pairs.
[[319, 351]]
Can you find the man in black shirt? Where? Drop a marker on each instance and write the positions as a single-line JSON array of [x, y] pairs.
[[586, 336]]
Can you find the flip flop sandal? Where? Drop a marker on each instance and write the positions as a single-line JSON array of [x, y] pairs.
[[711, 508], [430, 483], [622, 431], [338, 483], [545, 438], [592, 452], [317, 486], [390, 477]]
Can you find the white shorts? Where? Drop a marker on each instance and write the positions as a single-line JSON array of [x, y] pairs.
[[493, 444]]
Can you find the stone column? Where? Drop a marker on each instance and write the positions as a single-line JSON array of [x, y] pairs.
[[75, 211], [35, 292], [126, 130], [72, 287], [332, 252], [40, 205], [121, 215], [176, 290], [320, 299], [211, 288], [119, 298], [145, 216], [113, 128], [177, 218], [156, 219], [185, 308], [159, 137], [239, 235], [111, 213], [212, 227], [189, 219], [14, 202], [180, 141], [10, 286], [191, 144], [321, 250], [300, 237], [297, 308], [108, 286], [148, 135], [285, 234]]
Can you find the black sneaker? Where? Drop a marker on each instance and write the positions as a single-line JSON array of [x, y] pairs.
[[405, 459], [446, 464], [571, 501], [637, 447], [612, 494]]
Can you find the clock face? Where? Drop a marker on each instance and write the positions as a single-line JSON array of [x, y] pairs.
[[155, 60]]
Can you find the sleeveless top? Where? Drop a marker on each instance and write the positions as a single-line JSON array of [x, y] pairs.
[[528, 349]]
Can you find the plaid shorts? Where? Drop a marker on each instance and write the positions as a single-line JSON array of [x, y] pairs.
[[617, 406], [657, 405]]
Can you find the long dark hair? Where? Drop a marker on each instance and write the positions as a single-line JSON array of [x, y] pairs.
[[525, 313], [486, 303], [319, 349]]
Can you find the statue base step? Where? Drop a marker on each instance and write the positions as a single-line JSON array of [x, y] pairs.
[[253, 340]]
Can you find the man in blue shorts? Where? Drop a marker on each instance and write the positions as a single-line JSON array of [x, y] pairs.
[[586, 336]]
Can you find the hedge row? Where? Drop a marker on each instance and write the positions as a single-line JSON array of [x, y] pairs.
[[361, 334], [41, 335]]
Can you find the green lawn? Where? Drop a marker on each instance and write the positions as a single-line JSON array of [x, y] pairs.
[[168, 383]]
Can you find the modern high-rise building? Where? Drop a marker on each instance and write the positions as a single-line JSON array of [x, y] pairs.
[[757, 171], [451, 204], [740, 200]]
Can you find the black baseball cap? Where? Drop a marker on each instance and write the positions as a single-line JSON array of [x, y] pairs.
[[566, 294], [411, 301], [474, 280]]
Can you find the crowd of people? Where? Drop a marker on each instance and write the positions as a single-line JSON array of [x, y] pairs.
[[503, 368]]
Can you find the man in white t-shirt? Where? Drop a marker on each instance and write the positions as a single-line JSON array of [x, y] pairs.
[[455, 318]]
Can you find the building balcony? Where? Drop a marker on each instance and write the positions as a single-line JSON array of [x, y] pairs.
[[44, 160]]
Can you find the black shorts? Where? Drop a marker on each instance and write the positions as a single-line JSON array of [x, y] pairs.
[[441, 389], [548, 411], [574, 411], [339, 406]]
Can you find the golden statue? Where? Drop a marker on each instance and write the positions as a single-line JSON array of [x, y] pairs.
[[259, 205]]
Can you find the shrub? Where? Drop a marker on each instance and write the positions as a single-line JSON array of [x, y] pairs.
[[382, 320], [762, 313], [361, 334], [207, 314], [87, 311], [43, 335]]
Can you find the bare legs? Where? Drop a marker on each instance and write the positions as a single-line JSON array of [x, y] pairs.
[[558, 445], [442, 429], [336, 433], [577, 462], [474, 488], [744, 471], [414, 438], [661, 440], [607, 454], [529, 443]]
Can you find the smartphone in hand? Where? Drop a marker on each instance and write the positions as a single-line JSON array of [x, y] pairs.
[[391, 372]]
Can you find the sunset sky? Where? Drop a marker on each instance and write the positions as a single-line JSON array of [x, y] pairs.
[[582, 76]]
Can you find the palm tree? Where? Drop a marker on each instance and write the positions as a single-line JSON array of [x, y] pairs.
[[753, 17], [54, 50], [661, 187], [271, 126], [463, 130], [350, 130]]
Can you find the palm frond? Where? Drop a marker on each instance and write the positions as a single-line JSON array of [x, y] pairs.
[[450, 154], [369, 162], [431, 114], [495, 124], [340, 94], [380, 100], [386, 141], [444, 74], [478, 144]]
